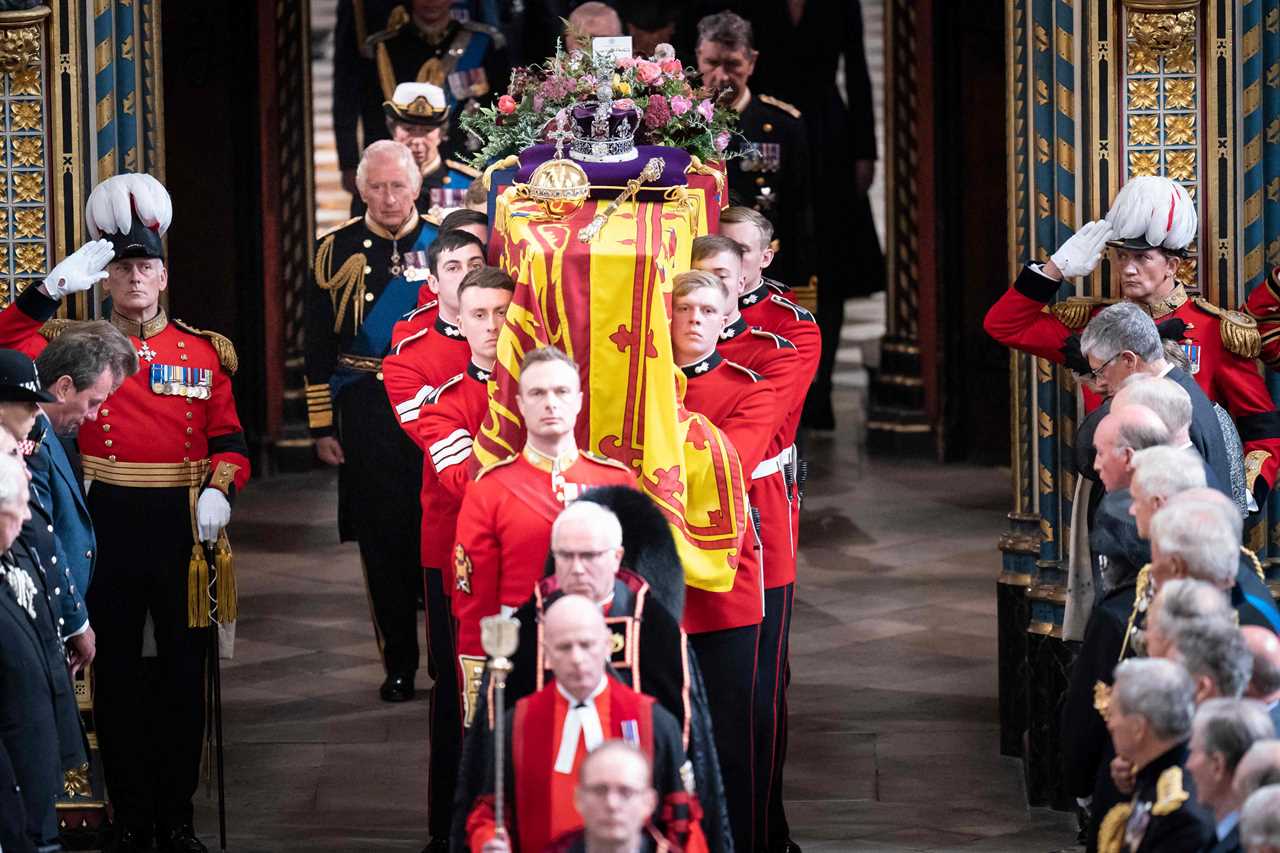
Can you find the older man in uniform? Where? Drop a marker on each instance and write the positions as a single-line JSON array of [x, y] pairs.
[[426, 44], [165, 457], [504, 525], [772, 176], [361, 287], [1149, 227]]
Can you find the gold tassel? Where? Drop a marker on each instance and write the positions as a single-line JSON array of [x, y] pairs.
[[197, 589], [228, 605]]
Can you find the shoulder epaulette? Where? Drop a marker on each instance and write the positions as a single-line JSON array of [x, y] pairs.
[[492, 465], [778, 340], [395, 23], [434, 396], [427, 306], [604, 460], [1170, 795], [1074, 312], [432, 217], [469, 171], [776, 286], [1239, 331], [800, 311], [755, 377], [221, 344], [335, 229], [782, 105], [52, 328], [499, 40], [1111, 832]]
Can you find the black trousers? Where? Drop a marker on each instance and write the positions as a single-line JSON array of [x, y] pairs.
[[728, 662], [446, 712], [149, 713], [773, 674], [379, 507]]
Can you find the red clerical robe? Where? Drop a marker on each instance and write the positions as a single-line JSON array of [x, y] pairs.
[[540, 798], [774, 490], [742, 404], [411, 374], [1222, 347], [503, 536]]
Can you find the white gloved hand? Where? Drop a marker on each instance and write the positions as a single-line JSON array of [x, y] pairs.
[[80, 270], [213, 511], [1082, 251]]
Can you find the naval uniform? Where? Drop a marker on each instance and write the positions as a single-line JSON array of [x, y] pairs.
[[467, 59], [773, 177], [1222, 347], [1163, 814], [360, 288], [724, 627], [444, 185], [503, 536]]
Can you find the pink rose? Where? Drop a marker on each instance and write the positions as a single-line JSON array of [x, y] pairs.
[[626, 61], [648, 72], [680, 104], [506, 105], [705, 109], [672, 67], [624, 104], [722, 140]]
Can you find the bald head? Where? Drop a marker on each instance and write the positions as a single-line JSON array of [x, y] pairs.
[[1264, 683], [1120, 435], [575, 642], [593, 20]]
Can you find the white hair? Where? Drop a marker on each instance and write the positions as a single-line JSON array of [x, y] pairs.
[[1162, 471], [1169, 400], [595, 516], [1230, 726], [1159, 691], [1120, 327], [1202, 536], [13, 479], [391, 150], [1260, 818]]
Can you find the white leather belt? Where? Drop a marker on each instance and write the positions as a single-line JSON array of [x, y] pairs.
[[776, 464]]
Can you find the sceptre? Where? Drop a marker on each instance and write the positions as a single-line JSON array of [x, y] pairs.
[[500, 637]]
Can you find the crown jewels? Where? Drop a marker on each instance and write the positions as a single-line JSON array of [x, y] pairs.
[[602, 132]]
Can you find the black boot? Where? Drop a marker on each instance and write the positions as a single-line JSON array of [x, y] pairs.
[[128, 839], [181, 840], [397, 688]]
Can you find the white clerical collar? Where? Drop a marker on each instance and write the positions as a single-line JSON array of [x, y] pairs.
[[582, 720]]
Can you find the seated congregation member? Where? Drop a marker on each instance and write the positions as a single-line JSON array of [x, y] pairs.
[[1086, 748], [443, 426], [1149, 718], [1264, 679], [607, 546], [33, 681], [1221, 732], [724, 627], [1260, 821], [549, 734], [1197, 534], [616, 799], [504, 524]]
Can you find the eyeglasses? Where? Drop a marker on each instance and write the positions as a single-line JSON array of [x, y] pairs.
[[623, 792], [1096, 373], [584, 556]]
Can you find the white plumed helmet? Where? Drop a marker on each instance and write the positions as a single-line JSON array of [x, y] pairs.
[[114, 202], [1152, 212]]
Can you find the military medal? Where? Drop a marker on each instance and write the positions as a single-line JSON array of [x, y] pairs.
[[146, 352], [1192, 352], [24, 588]]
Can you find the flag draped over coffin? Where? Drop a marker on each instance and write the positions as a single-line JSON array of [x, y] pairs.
[[607, 304]]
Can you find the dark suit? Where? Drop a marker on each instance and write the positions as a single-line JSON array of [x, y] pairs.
[[28, 723], [1206, 431], [1230, 844], [13, 814], [55, 482]]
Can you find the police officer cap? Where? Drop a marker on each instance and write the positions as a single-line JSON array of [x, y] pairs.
[[20, 381]]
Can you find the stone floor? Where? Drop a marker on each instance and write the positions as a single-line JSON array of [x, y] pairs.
[[894, 729]]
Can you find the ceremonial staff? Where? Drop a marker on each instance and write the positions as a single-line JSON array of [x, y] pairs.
[[214, 717], [500, 636]]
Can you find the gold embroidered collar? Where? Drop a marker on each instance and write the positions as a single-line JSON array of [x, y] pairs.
[[1163, 307], [379, 231], [144, 330], [543, 462]]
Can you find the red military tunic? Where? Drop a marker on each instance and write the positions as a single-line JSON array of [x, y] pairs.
[[1263, 305], [1222, 347], [446, 424], [742, 405], [504, 535], [176, 409], [765, 308], [773, 481], [542, 807], [421, 317], [413, 371]]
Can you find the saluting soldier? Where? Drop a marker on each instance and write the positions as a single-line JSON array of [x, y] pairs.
[[1149, 227], [772, 176], [367, 275], [467, 59], [165, 456], [416, 116]]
